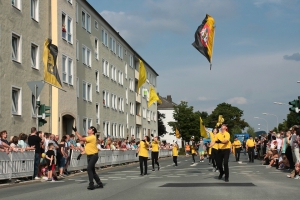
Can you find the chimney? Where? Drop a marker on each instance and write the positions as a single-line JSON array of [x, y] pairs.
[[169, 98]]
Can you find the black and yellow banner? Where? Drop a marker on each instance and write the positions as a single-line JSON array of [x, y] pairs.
[[204, 37], [50, 67]]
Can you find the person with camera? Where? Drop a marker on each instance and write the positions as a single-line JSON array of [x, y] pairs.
[[143, 154], [91, 151]]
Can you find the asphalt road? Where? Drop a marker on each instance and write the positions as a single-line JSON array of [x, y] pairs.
[[246, 181]]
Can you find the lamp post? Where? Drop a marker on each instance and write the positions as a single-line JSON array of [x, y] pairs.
[[261, 125], [272, 115], [265, 121], [280, 103]]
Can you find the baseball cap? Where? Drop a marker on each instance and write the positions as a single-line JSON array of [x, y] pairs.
[[94, 129]]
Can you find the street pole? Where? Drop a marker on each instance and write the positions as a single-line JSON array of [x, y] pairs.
[[36, 108]]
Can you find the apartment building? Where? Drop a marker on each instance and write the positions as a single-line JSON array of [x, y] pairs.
[[97, 67]]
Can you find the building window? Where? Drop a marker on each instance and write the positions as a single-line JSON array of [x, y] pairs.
[[77, 49], [97, 114], [87, 91], [34, 56], [120, 51], [83, 17], [96, 49], [35, 10], [105, 68], [126, 96], [97, 80], [96, 25], [131, 85], [112, 45], [105, 98], [67, 70], [70, 1], [126, 70], [104, 37], [86, 123], [16, 48], [16, 101], [67, 28], [114, 100], [86, 56], [16, 4], [131, 61]]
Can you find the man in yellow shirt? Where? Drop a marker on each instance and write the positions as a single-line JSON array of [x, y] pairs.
[[143, 154], [91, 151], [250, 145], [175, 153], [237, 148], [222, 138], [154, 152], [214, 149]]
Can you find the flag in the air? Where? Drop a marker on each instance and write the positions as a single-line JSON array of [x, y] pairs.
[[177, 134], [220, 120], [202, 130], [142, 74], [153, 97], [204, 37], [50, 65]]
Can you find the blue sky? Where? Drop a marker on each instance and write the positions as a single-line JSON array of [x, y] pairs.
[[256, 58]]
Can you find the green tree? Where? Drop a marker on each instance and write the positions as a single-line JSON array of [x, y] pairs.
[[161, 127], [234, 130], [251, 131], [283, 126], [292, 119], [185, 120], [232, 117]]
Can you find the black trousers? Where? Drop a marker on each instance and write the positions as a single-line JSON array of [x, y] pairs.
[[237, 154], [175, 160], [154, 157], [214, 156], [193, 157], [143, 160], [91, 160], [223, 156], [289, 156], [251, 154]]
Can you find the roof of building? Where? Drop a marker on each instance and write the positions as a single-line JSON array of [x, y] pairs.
[[116, 32], [167, 103]]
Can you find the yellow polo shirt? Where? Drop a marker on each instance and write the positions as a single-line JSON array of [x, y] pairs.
[[237, 144], [213, 138], [250, 143], [91, 145], [223, 136], [143, 149], [175, 150], [155, 146]]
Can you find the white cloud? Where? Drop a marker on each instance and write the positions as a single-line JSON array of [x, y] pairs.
[[205, 99], [163, 16], [237, 100]]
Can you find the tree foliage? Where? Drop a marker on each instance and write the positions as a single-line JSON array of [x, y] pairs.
[[232, 117], [292, 119], [161, 127], [251, 131]]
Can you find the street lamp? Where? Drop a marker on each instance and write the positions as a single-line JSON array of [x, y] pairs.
[[273, 115], [280, 103], [265, 121], [261, 125]]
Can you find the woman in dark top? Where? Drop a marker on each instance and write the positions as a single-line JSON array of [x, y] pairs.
[[61, 156]]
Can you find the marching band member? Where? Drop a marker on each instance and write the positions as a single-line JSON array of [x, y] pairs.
[[175, 153], [143, 154], [154, 153]]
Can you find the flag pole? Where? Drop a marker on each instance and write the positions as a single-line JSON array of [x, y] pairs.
[[212, 47]]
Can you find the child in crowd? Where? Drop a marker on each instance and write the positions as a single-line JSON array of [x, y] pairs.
[[50, 160]]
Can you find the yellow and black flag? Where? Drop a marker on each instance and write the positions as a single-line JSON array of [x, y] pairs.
[[204, 38], [51, 75]]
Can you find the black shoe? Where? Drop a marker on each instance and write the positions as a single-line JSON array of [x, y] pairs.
[[220, 176], [158, 168], [99, 185], [141, 174], [145, 174], [153, 169], [91, 187], [226, 180]]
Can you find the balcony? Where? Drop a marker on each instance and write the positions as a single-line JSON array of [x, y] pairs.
[[136, 74], [138, 98], [138, 120]]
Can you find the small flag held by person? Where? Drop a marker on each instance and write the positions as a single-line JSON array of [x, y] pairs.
[[177, 134], [51, 75], [202, 130], [204, 38]]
